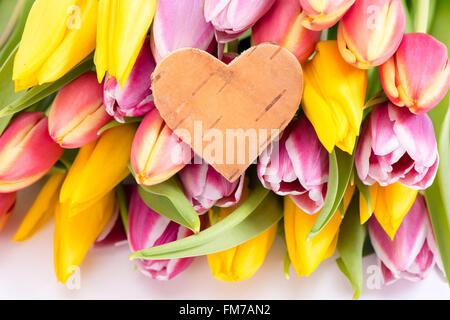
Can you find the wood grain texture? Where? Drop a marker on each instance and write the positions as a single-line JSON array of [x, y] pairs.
[[259, 90]]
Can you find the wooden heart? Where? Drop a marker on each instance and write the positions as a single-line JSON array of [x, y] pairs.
[[218, 109]]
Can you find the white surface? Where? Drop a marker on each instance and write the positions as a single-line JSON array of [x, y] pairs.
[[26, 272]]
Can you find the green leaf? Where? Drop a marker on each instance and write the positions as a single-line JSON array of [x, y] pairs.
[[168, 199], [350, 247], [24, 7], [115, 123], [40, 92], [341, 166], [9, 15], [123, 206], [364, 190], [257, 213], [438, 195]]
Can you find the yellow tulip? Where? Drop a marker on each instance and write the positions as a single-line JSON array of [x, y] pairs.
[[58, 34], [122, 28], [240, 262], [390, 204], [42, 209], [333, 98], [98, 168], [75, 234], [306, 254]]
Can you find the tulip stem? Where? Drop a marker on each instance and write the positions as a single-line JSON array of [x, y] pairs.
[[123, 208], [421, 16]]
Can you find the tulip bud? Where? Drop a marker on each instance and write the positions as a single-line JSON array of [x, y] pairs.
[[240, 262], [418, 75], [371, 31], [98, 168], [42, 209], [58, 34], [333, 97], [282, 25], [75, 233], [27, 152], [135, 98], [408, 255], [205, 187], [397, 145], [297, 166], [306, 254], [322, 15], [180, 24], [390, 204], [77, 113], [157, 153], [149, 229], [7, 204], [231, 18]]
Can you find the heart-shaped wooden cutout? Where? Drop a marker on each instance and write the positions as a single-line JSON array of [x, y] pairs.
[[228, 114]]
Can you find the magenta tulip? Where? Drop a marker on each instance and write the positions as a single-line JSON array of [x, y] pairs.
[[297, 165], [408, 256], [135, 98], [231, 18], [397, 146], [180, 24], [147, 229], [205, 187]]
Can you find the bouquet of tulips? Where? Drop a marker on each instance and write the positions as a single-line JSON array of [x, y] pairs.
[[362, 168]]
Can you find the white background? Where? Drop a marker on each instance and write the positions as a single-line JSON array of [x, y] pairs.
[[26, 272]]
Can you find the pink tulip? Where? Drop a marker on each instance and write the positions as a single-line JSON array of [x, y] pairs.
[[7, 204], [231, 18], [27, 152], [371, 31], [157, 153], [77, 114], [320, 15], [296, 166], [180, 24], [147, 229], [205, 187], [397, 146], [418, 75], [281, 24], [135, 98], [408, 256]]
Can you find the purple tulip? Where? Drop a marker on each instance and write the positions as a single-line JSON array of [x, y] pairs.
[[397, 146], [296, 166], [231, 18], [409, 255], [205, 187], [147, 229], [180, 24], [135, 98]]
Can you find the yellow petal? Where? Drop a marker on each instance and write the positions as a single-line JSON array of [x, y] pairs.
[[76, 45], [74, 235], [306, 254], [393, 203], [333, 97], [105, 168], [44, 31], [240, 262], [122, 27], [42, 208]]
